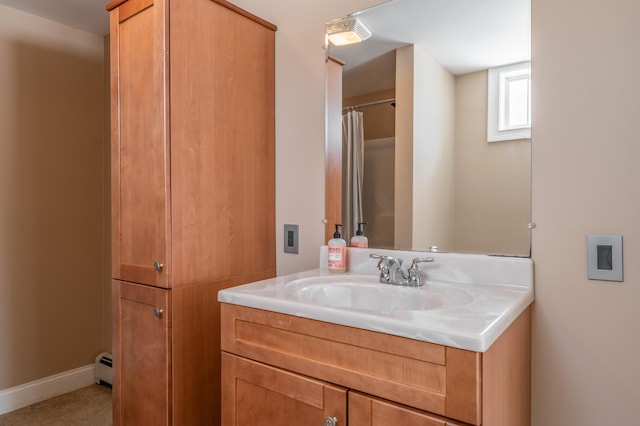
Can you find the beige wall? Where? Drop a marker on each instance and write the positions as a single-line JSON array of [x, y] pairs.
[[493, 180], [106, 176], [586, 105], [424, 184], [403, 184], [433, 153], [51, 198]]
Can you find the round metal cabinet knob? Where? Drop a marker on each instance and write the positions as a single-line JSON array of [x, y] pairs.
[[157, 312], [158, 266], [330, 421]]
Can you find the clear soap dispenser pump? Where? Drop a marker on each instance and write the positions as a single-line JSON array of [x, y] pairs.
[[337, 248], [359, 240]]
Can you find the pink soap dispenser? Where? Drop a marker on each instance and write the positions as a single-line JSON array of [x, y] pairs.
[[337, 248]]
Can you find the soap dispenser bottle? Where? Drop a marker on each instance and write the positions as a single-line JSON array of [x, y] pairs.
[[337, 252], [359, 240]]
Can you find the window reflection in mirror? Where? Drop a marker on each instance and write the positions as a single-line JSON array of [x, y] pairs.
[[430, 176]]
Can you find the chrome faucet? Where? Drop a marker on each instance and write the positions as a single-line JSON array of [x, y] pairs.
[[391, 271]]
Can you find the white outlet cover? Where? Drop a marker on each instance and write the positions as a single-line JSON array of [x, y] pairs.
[[595, 273]]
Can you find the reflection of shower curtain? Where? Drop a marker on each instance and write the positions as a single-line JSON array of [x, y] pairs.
[[353, 169]]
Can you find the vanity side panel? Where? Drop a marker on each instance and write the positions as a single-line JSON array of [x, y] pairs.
[[506, 376]]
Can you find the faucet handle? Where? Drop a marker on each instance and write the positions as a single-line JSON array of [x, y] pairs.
[[384, 266], [382, 258], [422, 260], [415, 278]]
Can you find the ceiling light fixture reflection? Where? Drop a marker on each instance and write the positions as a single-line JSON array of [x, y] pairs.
[[347, 30]]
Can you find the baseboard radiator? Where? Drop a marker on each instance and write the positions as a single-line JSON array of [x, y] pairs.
[[104, 368]]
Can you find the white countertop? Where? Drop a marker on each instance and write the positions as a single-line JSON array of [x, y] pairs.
[[496, 290]]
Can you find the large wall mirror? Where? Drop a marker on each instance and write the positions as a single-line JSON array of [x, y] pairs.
[[430, 176]]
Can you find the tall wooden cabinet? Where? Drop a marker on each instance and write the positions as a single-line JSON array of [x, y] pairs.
[[193, 195]]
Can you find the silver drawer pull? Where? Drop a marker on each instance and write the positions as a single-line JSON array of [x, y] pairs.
[[158, 266], [157, 312]]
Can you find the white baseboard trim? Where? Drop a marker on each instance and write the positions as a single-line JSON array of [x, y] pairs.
[[49, 387]]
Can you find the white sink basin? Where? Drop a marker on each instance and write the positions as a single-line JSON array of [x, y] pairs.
[[365, 293]]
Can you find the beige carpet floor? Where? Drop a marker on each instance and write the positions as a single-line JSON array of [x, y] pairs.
[[90, 406]]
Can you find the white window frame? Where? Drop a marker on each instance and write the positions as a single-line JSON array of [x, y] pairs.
[[498, 128]]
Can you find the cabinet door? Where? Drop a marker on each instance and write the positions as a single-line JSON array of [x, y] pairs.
[[222, 145], [367, 411], [257, 394], [142, 347], [140, 148]]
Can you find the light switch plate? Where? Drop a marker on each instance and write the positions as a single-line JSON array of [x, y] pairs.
[[604, 257], [291, 239]]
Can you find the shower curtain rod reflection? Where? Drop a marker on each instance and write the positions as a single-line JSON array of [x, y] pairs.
[[383, 101]]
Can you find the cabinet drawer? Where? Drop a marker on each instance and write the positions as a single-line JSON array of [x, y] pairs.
[[434, 378]]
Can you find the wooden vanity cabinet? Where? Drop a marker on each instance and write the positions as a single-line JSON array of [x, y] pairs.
[[193, 195], [388, 379]]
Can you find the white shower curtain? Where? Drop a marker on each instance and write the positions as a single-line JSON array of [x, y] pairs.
[[353, 169]]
